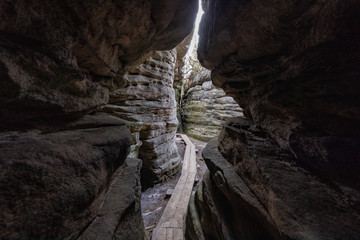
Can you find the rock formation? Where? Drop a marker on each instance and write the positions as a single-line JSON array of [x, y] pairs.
[[59, 59], [205, 108], [64, 171], [256, 189], [290, 170], [288, 70], [148, 102], [181, 50], [53, 183]]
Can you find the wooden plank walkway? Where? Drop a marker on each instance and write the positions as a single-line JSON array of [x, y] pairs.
[[172, 222]]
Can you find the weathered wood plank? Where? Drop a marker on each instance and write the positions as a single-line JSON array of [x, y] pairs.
[[172, 222]]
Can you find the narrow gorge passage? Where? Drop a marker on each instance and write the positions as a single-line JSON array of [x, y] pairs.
[[93, 95], [201, 110], [172, 222]]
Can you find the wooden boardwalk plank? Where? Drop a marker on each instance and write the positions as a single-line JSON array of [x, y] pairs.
[[172, 223]]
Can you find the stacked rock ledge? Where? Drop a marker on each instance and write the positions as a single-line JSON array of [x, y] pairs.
[[205, 108], [148, 104]]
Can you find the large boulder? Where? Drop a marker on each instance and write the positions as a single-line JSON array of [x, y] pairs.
[[54, 184]]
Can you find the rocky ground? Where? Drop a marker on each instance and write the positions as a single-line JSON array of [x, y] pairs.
[[153, 200]]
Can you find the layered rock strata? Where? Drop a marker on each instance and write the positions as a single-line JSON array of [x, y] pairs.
[[148, 100], [291, 170], [205, 108], [59, 59]]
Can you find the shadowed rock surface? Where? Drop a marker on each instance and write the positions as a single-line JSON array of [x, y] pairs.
[[296, 73], [66, 176], [288, 171], [181, 51], [291, 170], [52, 184], [256, 190], [119, 216], [59, 59], [205, 108], [149, 100]]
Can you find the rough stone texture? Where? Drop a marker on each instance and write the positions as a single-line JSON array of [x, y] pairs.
[[149, 100], [54, 184], [205, 108], [65, 176], [193, 228], [58, 59], [293, 169], [291, 65], [256, 190], [120, 214], [181, 51]]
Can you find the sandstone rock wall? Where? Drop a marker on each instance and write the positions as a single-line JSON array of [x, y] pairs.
[[53, 183], [255, 188], [181, 50], [205, 108], [295, 74], [148, 101], [59, 59], [119, 216], [290, 171], [63, 172]]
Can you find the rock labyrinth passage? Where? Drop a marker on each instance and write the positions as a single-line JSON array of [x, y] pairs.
[[172, 222]]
